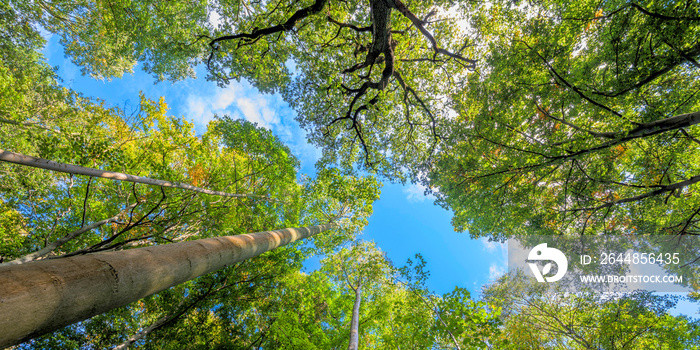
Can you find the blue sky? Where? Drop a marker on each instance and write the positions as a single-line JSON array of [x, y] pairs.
[[405, 222]]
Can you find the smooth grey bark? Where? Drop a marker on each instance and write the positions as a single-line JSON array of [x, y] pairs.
[[23, 159], [355, 321], [61, 241], [41, 296]]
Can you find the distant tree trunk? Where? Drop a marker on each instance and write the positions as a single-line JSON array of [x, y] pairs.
[[355, 322], [22, 159], [41, 296]]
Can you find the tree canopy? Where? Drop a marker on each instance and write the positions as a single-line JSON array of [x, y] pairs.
[[535, 317], [521, 117], [581, 120], [550, 116], [353, 71]]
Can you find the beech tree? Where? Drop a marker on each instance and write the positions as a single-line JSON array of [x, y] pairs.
[[315, 310], [341, 203], [355, 72], [536, 316], [582, 119], [360, 267]]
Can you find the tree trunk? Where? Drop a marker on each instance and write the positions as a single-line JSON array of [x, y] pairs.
[[22, 159], [41, 296], [355, 322]]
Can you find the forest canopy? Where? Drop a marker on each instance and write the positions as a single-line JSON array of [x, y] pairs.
[[520, 117]]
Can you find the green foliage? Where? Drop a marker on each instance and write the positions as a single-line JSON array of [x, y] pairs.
[[556, 128], [557, 131], [535, 317], [343, 199], [365, 107]]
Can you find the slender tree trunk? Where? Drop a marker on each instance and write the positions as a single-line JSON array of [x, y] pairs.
[[61, 241], [355, 322], [22, 159], [41, 296]]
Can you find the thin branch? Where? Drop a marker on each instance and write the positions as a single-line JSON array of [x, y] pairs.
[[347, 25], [404, 10], [664, 189], [55, 244]]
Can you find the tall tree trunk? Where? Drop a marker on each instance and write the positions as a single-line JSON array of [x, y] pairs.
[[355, 322], [41, 296], [22, 159]]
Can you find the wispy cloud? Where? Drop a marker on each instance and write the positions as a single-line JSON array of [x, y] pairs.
[[240, 100], [496, 271], [257, 110], [237, 100], [500, 252], [416, 193]]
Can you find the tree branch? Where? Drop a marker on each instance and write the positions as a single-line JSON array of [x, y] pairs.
[[55, 244], [315, 8], [404, 10]]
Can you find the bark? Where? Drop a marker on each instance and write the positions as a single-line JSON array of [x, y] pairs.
[[42, 296], [61, 241], [355, 322], [21, 159]]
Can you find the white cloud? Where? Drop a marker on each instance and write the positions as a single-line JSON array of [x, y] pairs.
[[256, 110], [240, 100], [225, 97], [214, 19], [496, 271], [489, 246], [198, 110], [234, 100], [416, 193], [500, 253]]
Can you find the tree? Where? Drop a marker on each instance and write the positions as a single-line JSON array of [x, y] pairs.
[[360, 267], [355, 72], [582, 119], [315, 310], [47, 214], [537, 317], [127, 214], [91, 284], [56, 293], [186, 315], [62, 125], [579, 116], [455, 319]]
